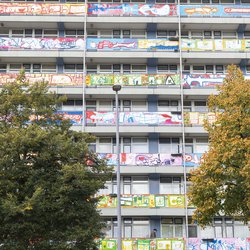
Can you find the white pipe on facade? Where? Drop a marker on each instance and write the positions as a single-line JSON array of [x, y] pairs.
[[183, 124]]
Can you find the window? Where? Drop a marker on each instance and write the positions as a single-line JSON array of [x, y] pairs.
[[189, 148], [248, 68], [91, 69], [172, 227], [105, 33], [171, 185], [116, 34], [104, 145], [106, 68], [247, 34], [90, 105], [162, 68], [116, 68], [3, 68], [207, 34], [200, 106], [162, 33], [50, 33], [209, 69], [169, 145], [196, 34], [201, 145], [219, 68], [137, 68], [126, 33], [140, 185], [192, 229], [4, 32], [49, 68], [168, 105], [126, 68], [140, 228], [17, 33], [198, 69], [74, 33], [38, 32], [228, 34], [217, 34], [15, 68], [139, 145], [186, 69], [138, 34]]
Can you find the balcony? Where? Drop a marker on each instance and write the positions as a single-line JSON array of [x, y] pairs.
[[144, 201], [176, 244], [153, 160]]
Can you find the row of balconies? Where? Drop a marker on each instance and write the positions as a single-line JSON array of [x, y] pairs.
[[147, 159], [144, 201], [176, 244], [139, 118], [126, 9], [110, 44], [93, 80]]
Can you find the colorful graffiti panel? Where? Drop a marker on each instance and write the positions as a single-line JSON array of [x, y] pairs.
[[59, 43], [215, 10], [131, 44], [143, 159], [41, 9], [143, 201], [198, 118], [193, 160], [144, 244], [134, 118], [218, 244], [75, 117], [202, 80], [52, 79], [127, 9], [132, 80]]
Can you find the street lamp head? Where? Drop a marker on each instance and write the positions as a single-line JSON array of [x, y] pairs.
[[116, 87]]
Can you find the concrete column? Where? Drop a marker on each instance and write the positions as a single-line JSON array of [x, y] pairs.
[[61, 29], [153, 140], [152, 65], [243, 64], [240, 30], [154, 183], [151, 30], [152, 103], [59, 63], [155, 223]]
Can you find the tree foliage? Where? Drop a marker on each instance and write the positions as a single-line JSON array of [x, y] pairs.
[[221, 185], [47, 185]]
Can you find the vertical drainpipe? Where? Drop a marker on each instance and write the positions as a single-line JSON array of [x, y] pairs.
[[183, 126], [84, 69]]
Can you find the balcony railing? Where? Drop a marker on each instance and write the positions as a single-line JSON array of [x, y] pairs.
[[125, 9], [139, 118], [143, 201], [54, 9], [157, 160], [133, 80], [109, 44], [59, 43], [177, 244]]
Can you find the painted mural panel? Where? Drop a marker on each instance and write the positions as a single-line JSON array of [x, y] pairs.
[[143, 201], [193, 160], [127, 9], [131, 44], [197, 118], [202, 80], [52, 79], [75, 117], [60, 43], [133, 159], [218, 244], [42, 9], [134, 118], [215, 10], [132, 80]]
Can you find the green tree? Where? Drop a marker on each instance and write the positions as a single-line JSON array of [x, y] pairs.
[[47, 184], [221, 185]]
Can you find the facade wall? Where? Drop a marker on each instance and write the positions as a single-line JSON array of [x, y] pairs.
[[84, 49]]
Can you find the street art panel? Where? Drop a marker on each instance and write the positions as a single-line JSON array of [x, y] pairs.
[[144, 244], [127, 9], [202, 80], [193, 160], [142, 159], [52, 79], [75, 117], [215, 10], [42, 9], [218, 244], [134, 118], [143, 201], [59, 43], [197, 118], [131, 44], [132, 80]]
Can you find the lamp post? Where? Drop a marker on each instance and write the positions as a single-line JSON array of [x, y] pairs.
[[117, 88]]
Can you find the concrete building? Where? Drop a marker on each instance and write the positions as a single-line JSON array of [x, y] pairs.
[[168, 57]]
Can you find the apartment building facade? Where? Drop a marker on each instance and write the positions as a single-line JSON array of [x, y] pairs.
[[168, 56]]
